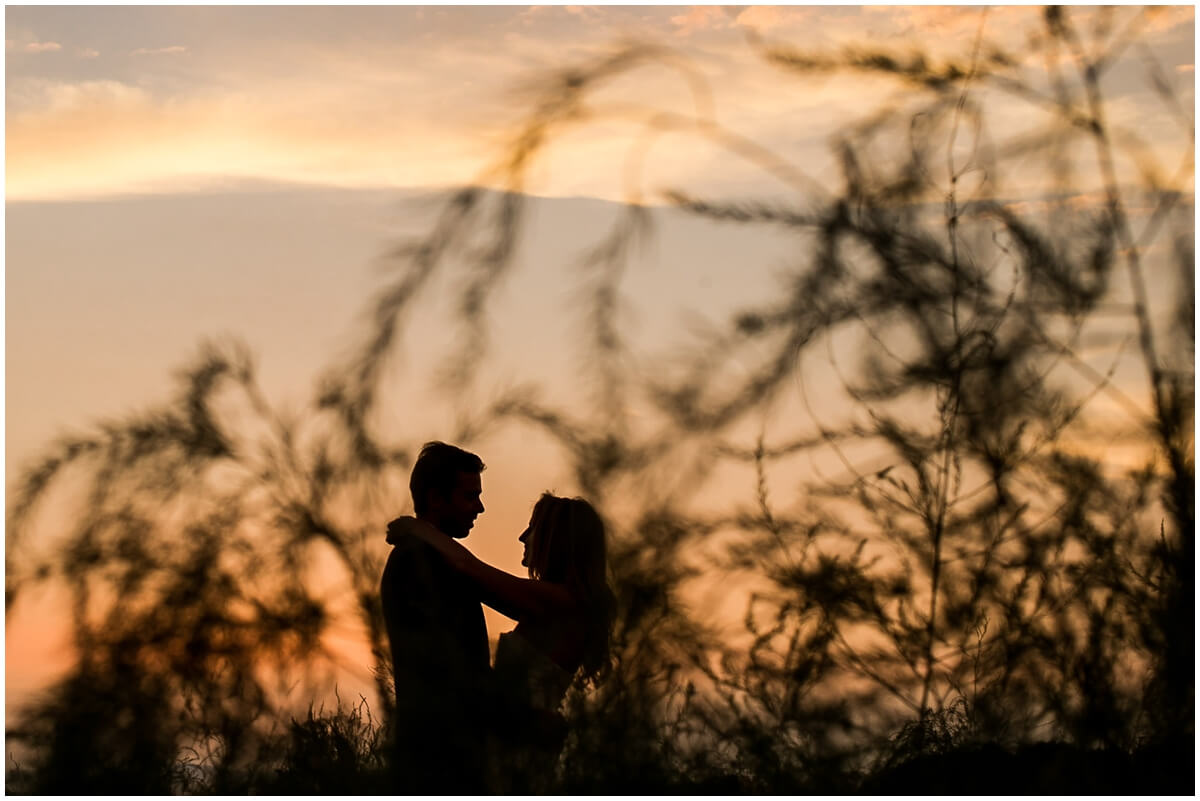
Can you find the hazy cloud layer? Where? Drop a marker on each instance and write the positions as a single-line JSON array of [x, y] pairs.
[[110, 100], [33, 47], [159, 51]]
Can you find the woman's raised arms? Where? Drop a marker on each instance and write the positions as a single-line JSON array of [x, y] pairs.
[[512, 596]]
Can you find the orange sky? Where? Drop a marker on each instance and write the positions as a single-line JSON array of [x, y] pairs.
[[163, 99], [180, 172]]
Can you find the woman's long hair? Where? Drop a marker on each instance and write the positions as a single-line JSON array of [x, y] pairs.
[[567, 546]]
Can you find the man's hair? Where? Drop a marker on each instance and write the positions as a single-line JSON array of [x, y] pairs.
[[437, 469]]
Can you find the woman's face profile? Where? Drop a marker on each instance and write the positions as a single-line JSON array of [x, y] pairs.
[[524, 539]]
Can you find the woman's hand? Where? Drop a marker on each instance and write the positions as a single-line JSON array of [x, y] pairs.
[[408, 526]]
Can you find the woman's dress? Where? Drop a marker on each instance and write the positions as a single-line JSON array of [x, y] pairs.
[[531, 729]]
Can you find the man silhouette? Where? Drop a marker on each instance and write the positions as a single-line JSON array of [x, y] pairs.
[[438, 638]]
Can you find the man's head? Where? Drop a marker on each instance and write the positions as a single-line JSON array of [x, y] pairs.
[[446, 489]]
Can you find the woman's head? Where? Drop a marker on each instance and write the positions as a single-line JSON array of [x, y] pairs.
[[565, 543], [565, 539]]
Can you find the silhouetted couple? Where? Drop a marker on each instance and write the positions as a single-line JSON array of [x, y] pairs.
[[462, 725]]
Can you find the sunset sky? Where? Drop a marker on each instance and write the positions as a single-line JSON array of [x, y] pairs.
[[174, 173], [102, 101]]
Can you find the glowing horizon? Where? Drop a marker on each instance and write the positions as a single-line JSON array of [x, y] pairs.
[[171, 99]]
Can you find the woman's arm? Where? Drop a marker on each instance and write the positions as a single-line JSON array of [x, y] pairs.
[[512, 596]]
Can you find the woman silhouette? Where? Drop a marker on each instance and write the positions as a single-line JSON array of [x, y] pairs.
[[564, 613]]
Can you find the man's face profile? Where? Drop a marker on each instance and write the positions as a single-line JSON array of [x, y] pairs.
[[455, 512]]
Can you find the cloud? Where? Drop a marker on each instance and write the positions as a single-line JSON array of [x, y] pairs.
[[936, 29], [159, 51], [34, 47], [96, 138], [1185, 67], [413, 115], [768, 17], [531, 14], [88, 52], [1165, 18], [545, 14], [955, 27], [700, 18], [55, 102]]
